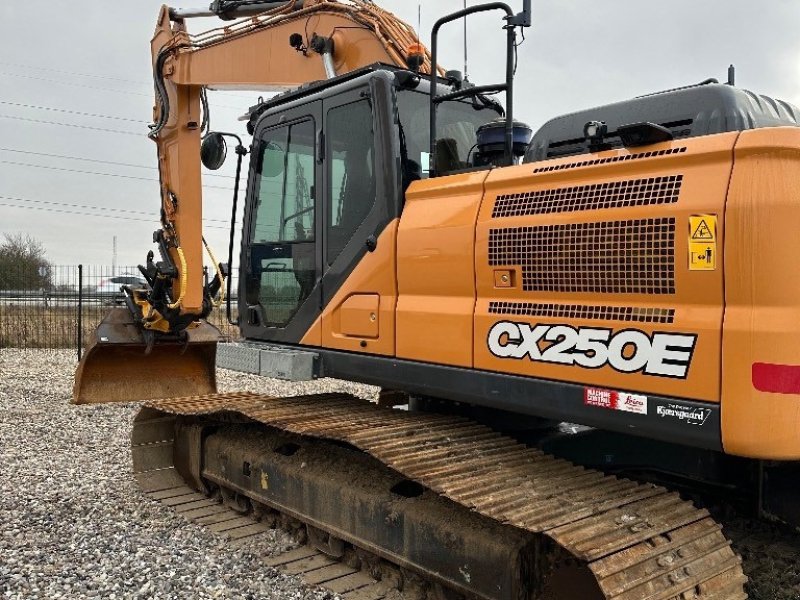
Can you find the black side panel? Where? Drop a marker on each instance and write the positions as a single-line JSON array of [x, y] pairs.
[[679, 421]]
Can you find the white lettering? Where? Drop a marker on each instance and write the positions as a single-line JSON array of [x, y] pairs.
[[627, 351], [671, 355], [511, 331], [637, 358], [530, 341], [592, 348]]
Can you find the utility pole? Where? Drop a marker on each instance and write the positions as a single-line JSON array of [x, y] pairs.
[[114, 258]]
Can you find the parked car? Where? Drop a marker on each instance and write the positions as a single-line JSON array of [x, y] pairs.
[[110, 289]]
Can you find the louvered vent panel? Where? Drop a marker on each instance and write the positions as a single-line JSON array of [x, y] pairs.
[[613, 194], [610, 160], [611, 257], [637, 314]]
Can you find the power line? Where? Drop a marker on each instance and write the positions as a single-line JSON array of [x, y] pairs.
[[72, 212], [43, 122], [83, 206], [105, 89], [78, 213], [94, 207], [139, 82], [72, 112], [98, 161], [151, 219], [81, 172], [73, 84], [74, 73]]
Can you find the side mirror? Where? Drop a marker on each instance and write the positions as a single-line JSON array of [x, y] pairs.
[[213, 151]]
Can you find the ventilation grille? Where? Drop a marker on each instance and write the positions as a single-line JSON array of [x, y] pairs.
[[614, 194], [636, 314], [612, 257], [610, 159]]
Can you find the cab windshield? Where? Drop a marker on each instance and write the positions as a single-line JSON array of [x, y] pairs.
[[457, 121]]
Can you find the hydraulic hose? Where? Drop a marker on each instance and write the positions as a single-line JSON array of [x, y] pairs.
[[184, 279], [221, 278]]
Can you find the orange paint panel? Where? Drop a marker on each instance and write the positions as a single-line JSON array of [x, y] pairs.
[[373, 276], [435, 329], [435, 269], [605, 246], [762, 316], [358, 316]]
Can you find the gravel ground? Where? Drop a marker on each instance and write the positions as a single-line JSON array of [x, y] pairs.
[[73, 523]]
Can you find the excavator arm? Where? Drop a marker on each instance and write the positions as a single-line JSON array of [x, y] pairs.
[[159, 345], [283, 48]]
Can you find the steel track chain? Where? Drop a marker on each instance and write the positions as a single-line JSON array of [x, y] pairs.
[[640, 541]]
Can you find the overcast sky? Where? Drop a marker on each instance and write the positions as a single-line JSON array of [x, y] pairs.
[[93, 57]]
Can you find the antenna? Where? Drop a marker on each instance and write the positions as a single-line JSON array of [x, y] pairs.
[[525, 18], [465, 44], [419, 20]]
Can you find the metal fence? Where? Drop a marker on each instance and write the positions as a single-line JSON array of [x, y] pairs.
[[57, 306]]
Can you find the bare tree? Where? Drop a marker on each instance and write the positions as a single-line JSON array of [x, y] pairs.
[[23, 263]]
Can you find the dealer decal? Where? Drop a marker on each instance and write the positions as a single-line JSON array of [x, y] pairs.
[[687, 414], [613, 400], [626, 351]]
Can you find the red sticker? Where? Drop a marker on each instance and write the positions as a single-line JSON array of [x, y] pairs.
[[600, 397]]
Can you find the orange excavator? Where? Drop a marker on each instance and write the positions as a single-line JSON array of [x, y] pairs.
[[627, 268]]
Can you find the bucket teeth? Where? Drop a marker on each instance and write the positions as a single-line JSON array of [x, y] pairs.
[[640, 541]]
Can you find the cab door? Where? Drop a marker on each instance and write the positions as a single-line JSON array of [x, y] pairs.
[[362, 202], [280, 293]]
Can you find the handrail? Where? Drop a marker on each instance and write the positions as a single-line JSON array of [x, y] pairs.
[[511, 38]]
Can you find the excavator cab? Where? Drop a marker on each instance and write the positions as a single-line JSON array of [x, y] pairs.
[[329, 170]]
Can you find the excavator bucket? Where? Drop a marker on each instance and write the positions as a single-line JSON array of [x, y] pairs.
[[116, 366]]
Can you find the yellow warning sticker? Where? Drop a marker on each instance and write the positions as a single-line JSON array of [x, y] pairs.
[[702, 242], [702, 257], [703, 228]]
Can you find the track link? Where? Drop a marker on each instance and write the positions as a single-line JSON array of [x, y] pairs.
[[313, 566], [640, 541]]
